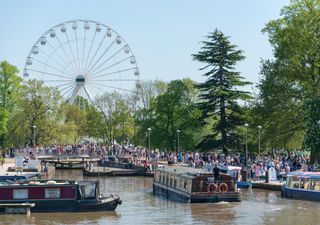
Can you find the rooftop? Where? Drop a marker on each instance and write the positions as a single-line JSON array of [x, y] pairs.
[[184, 170]]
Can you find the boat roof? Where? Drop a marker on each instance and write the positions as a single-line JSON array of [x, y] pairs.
[[230, 168], [50, 182], [184, 171], [313, 175]]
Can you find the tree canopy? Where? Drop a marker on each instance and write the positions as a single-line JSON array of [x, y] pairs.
[[220, 93], [295, 38]]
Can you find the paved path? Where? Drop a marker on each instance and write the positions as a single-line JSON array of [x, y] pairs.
[[4, 169]]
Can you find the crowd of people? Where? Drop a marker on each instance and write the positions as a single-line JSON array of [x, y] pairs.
[[282, 161]]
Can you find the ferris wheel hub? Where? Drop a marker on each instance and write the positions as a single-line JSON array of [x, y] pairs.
[[80, 80]]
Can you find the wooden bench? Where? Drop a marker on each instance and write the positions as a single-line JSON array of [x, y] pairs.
[[17, 208]]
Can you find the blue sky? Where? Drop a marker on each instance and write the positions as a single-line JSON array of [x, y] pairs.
[[162, 34]]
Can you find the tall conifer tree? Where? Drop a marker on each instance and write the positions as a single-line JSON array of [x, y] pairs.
[[219, 94]]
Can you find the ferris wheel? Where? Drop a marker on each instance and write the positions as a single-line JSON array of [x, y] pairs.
[[83, 58]]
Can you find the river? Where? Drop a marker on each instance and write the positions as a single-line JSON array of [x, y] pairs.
[[141, 207]]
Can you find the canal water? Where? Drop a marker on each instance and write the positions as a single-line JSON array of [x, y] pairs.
[[141, 207]]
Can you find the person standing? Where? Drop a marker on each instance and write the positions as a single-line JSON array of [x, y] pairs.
[[257, 171], [216, 173]]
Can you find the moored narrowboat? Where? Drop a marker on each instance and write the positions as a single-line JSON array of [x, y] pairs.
[[58, 196], [238, 175], [194, 185], [302, 185]]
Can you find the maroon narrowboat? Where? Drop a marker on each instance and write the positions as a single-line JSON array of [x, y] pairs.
[[59, 196]]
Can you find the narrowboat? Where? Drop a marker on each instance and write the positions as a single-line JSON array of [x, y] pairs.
[[302, 185], [238, 175], [58, 196], [11, 178], [192, 185]]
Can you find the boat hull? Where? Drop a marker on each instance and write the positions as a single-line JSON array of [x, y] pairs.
[[198, 197], [94, 205], [105, 204], [301, 194], [244, 184]]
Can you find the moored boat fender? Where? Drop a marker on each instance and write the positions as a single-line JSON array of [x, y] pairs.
[[223, 187], [212, 187]]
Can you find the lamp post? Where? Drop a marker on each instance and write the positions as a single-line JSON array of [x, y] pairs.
[[149, 132], [34, 135], [178, 139], [259, 129], [246, 125]]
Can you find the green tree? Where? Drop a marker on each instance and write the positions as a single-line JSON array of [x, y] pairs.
[[37, 106], [73, 113], [278, 108], [118, 118], [94, 126], [172, 110], [9, 89], [219, 95], [150, 90], [295, 38]]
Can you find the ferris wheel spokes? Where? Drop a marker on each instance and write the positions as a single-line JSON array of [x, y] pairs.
[[115, 72], [88, 69], [85, 65], [66, 91], [75, 62], [75, 34], [93, 74], [55, 61], [61, 71], [104, 62], [83, 48], [51, 74], [88, 94], [95, 53], [64, 50]]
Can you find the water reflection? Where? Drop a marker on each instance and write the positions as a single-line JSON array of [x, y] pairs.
[[60, 218], [141, 207]]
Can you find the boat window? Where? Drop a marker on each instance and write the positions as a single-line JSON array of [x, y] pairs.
[[303, 183], [185, 185], [232, 173], [167, 180], [20, 193], [294, 182], [88, 190], [52, 193], [170, 182], [159, 180], [314, 185], [163, 178], [175, 183]]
